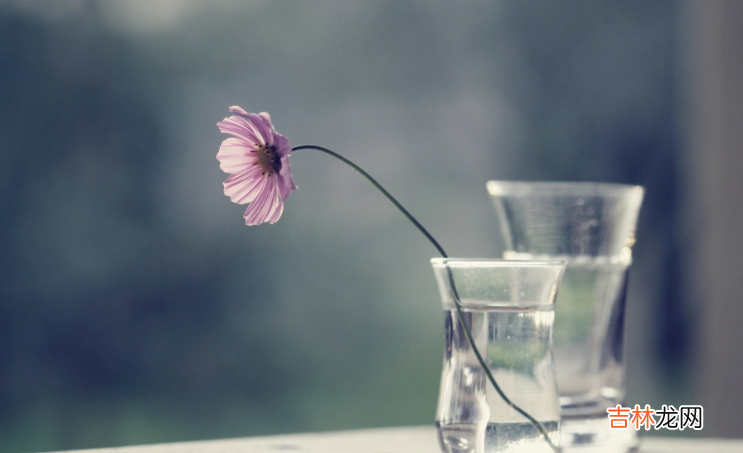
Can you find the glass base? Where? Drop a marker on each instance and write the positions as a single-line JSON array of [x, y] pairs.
[[589, 435]]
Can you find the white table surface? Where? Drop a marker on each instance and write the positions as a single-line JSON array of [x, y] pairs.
[[420, 439]]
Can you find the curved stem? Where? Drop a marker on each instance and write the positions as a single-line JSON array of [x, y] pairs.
[[455, 295], [381, 189]]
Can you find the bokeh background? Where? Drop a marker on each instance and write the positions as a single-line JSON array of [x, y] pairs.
[[135, 305]]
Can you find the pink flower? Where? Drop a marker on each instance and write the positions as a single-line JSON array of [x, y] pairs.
[[257, 159]]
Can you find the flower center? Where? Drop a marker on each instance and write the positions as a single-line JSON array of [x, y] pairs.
[[267, 159]]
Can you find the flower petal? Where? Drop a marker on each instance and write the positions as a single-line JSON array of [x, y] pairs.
[[240, 128], [237, 110], [259, 125], [267, 203], [235, 156], [267, 120], [284, 177], [281, 143], [277, 215], [277, 206], [259, 209], [244, 187]]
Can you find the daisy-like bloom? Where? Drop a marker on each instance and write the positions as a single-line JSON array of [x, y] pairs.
[[257, 159]]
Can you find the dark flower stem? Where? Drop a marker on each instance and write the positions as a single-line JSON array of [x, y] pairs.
[[381, 189], [455, 295]]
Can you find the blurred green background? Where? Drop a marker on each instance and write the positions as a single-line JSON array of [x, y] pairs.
[[135, 305]]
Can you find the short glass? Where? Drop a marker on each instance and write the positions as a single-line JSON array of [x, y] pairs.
[[592, 227], [508, 307]]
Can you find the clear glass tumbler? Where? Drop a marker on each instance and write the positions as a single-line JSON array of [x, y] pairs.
[[592, 227], [508, 307]]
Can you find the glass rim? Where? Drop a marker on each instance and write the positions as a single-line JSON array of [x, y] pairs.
[[498, 263], [578, 188]]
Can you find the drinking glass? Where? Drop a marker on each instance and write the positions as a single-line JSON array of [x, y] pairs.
[[508, 307], [592, 227]]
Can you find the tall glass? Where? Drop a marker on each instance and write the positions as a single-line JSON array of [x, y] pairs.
[[592, 227], [508, 307]]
